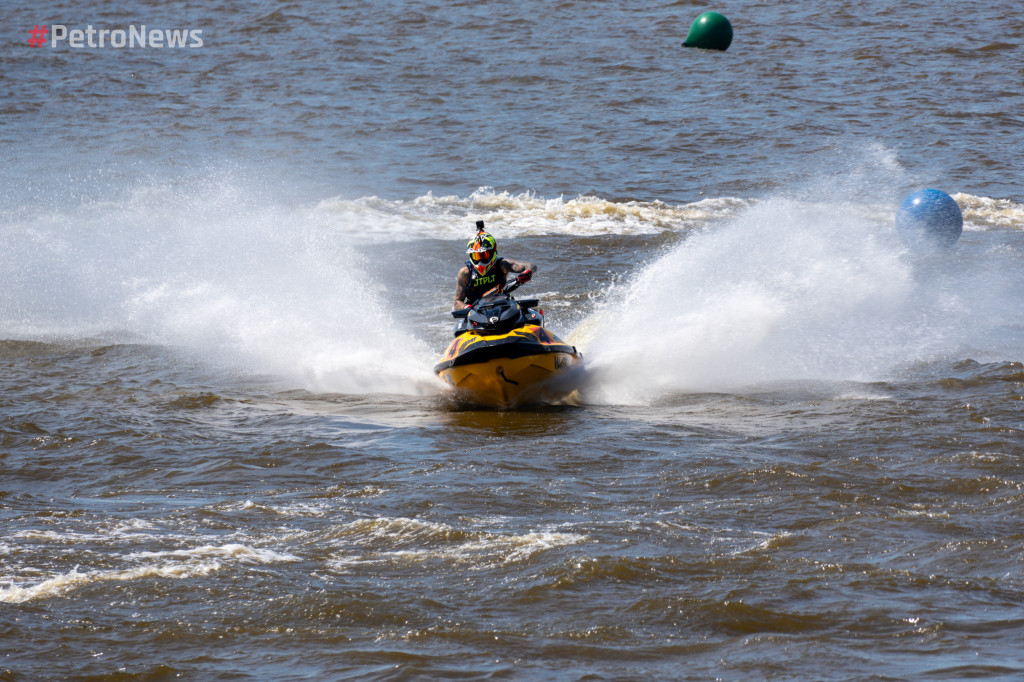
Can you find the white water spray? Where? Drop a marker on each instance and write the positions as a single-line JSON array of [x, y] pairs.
[[215, 271], [792, 291]]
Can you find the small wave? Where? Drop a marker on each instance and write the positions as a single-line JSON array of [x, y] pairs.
[[297, 509], [734, 616], [12, 348], [524, 214], [230, 551], [191, 401], [414, 541], [402, 530], [61, 584], [987, 213], [200, 561], [586, 570]]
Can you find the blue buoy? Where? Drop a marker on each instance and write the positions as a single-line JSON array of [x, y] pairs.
[[929, 217]]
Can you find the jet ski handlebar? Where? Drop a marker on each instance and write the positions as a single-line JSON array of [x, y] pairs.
[[510, 286], [513, 284]]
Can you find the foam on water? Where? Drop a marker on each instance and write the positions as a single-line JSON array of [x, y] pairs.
[[790, 290], [230, 551], [64, 583], [390, 539], [987, 213], [187, 563], [518, 215]]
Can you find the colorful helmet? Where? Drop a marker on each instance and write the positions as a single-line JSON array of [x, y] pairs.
[[483, 252]]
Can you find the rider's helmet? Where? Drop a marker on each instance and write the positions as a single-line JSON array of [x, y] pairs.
[[483, 252]]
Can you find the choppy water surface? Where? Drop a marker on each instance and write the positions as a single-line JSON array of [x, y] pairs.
[[226, 276]]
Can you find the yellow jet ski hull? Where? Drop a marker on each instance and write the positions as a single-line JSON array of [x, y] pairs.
[[526, 365]]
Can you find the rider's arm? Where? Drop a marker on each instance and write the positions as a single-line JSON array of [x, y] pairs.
[[516, 266], [460, 288]]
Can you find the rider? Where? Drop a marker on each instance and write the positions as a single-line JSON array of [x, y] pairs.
[[485, 272]]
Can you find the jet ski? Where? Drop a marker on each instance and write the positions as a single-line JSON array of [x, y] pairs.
[[503, 357]]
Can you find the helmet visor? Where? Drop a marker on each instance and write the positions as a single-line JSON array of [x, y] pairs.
[[481, 256]]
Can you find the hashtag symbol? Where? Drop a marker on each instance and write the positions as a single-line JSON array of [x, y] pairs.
[[38, 36]]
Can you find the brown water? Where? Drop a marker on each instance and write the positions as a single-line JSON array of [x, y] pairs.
[[226, 273]]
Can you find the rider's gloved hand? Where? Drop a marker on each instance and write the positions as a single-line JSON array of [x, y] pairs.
[[524, 276]]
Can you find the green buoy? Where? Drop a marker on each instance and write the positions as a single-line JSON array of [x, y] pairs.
[[710, 31]]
